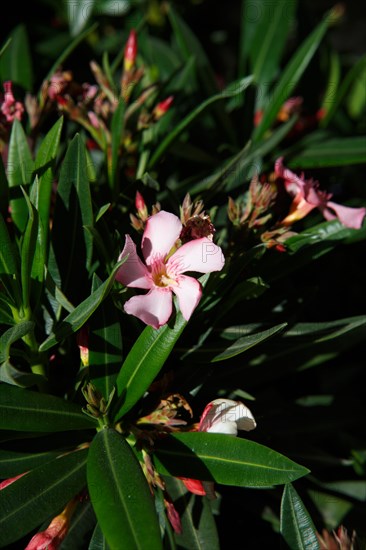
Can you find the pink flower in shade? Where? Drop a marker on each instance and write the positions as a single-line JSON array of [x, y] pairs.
[[164, 268], [223, 416], [307, 196], [52, 537], [10, 108]]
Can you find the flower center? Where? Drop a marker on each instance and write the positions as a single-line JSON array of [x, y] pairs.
[[160, 276]]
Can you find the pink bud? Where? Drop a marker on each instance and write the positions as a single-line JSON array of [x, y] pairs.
[[130, 51], [10, 480], [162, 107]]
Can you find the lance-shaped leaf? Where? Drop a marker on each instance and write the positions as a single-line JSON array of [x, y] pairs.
[[331, 152], [120, 494], [247, 342], [144, 362], [225, 459], [12, 335], [105, 345], [75, 320], [98, 542], [297, 527], [44, 491], [16, 60], [291, 75], [13, 463], [4, 190], [30, 411], [71, 244], [44, 166], [117, 132], [19, 172]]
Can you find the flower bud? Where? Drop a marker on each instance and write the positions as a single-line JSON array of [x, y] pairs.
[[130, 51]]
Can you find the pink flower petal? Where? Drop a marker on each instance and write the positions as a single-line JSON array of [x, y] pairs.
[[133, 272], [226, 416], [189, 293], [350, 217], [153, 308], [200, 255], [161, 232], [293, 183], [193, 485]]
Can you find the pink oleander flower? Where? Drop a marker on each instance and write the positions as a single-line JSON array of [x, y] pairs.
[[10, 108], [307, 196], [52, 537], [164, 268], [221, 416]]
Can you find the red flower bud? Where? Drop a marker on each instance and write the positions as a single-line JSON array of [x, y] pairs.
[[162, 107], [130, 51]]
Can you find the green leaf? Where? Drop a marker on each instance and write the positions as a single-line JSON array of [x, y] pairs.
[[120, 494], [105, 346], [353, 74], [73, 246], [13, 463], [297, 527], [199, 530], [144, 362], [117, 134], [235, 88], [331, 152], [44, 168], [225, 459], [4, 190], [98, 542], [32, 261], [291, 76], [78, 14], [12, 335], [20, 170], [76, 319], [269, 41], [12, 375], [41, 493], [16, 61], [30, 411], [8, 267], [82, 523], [246, 342]]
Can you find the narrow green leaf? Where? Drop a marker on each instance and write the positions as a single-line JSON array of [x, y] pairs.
[[78, 14], [291, 76], [340, 94], [13, 463], [75, 320], [73, 246], [225, 459], [4, 190], [44, 168], [28, 252], [270, 39], [105, 346], [144, 362], [8, 266], [117, 134], [247, 342], [19, 172], [16, 377], [98, 542], [16, 61], [12, 335], [82, 523], [332, 152], [297, 527], [30, 411], [236, 88], [44, 491], [120, 494]]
